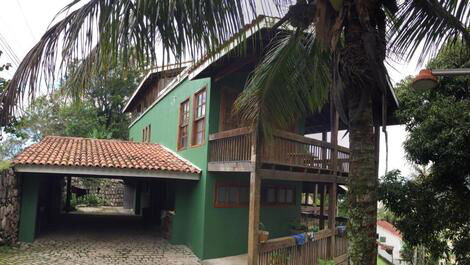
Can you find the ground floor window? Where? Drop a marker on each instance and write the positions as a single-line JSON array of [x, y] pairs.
[[277, 195], [231, 195], [237, 194]]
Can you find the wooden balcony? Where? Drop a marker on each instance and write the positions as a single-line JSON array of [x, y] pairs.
[[287, 155], [326, 245]]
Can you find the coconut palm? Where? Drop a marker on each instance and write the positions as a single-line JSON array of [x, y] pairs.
[[336, 49]]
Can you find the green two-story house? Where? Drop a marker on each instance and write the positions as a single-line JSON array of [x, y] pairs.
[[188, 108]]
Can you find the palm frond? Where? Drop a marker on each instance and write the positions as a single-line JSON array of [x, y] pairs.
[[427, 24], [151, 32], [291, 81]]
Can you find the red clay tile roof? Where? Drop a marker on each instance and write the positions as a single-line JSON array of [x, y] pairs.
[[86, 152], [389, 227]]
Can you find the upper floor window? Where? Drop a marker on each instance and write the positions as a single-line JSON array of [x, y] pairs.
[[199, 121], [183, 125], [146, 132]]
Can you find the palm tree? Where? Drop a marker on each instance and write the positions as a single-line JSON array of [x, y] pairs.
[[337, 48]]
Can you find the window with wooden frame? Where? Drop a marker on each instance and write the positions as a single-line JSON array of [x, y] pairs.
[[183, 125], [277, 195], [231, 195], [146, 131], [199, 119]]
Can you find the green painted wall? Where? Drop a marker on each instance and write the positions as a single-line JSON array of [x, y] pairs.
[[188, 223], [29, 207], [227, 228], [210, 232]]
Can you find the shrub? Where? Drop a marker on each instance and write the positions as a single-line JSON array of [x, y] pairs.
[[326, 262]]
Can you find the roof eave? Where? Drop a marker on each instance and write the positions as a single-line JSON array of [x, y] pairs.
[[105, 172]]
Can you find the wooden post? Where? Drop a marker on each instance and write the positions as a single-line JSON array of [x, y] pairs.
[[315, 195], [332, 191], [137, 200], [377, 147], [254, 209], [324, 138], [334, 122], [322, 207], [68, 195]]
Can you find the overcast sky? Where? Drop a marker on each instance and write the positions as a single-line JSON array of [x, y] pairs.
[[23, 22]]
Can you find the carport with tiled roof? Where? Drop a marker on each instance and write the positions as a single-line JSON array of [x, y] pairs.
[[45, 170]]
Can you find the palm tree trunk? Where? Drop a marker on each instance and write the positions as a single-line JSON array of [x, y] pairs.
[[362, 195], [363, 179]]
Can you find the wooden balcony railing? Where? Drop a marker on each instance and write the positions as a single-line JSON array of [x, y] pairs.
[[285, 149], [284, 251], [296, 150], [231, 145]]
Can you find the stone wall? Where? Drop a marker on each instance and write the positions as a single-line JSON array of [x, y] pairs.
[[9, 206], [109, 190]]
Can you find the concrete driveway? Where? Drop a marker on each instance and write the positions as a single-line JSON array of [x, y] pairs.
[[99, 240]]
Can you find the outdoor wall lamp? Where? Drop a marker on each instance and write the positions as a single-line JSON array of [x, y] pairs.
[[427, 78]]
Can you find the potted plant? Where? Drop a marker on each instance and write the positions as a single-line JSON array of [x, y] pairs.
[[263, 235], [298, 228]]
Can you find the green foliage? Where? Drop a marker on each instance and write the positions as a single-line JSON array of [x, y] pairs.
[[87, 200], [432, 209], [291, 81], [418, 255], [326, 262], [342, 206], [5, 164], [96, 114], [385, 214]]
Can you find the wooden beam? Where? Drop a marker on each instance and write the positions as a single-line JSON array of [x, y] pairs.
[[377, 147], [332, 191], [324, 234], [315, 195], [231, 166], [334, 116], [254, 209], [341, 259], [300, 176], [322, 207], [235, 66], [230, 133], [324, 138], [68, 195], [302, 139], [277, 243]]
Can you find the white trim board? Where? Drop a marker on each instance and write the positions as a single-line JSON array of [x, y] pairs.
[[98, 171]]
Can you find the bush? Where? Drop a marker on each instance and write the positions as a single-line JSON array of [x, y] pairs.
[[5, 164], [87, 200], [326, 262]]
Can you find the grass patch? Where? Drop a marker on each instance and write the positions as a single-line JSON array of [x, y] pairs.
[[381, 261]]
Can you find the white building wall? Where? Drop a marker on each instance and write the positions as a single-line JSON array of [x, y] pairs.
[[391, 240]]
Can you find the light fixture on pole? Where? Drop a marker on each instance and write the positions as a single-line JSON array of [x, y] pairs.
[[427, 78]]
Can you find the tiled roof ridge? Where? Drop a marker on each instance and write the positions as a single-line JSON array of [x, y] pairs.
[[389, 227], [97, 139]]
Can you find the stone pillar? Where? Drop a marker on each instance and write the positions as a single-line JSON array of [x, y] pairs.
[[128, 196], [9, 206]]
